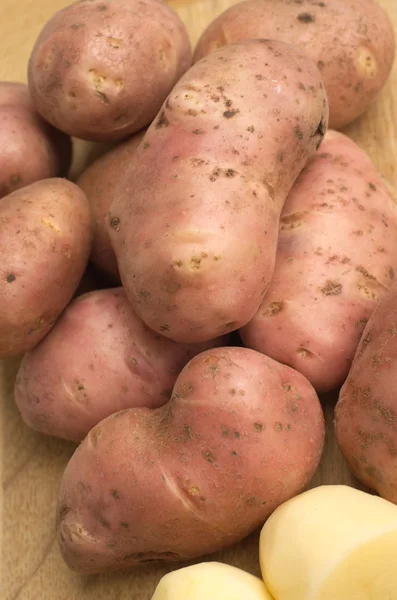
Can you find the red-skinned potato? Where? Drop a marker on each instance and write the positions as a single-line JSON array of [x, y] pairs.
[[98, 182], [123, 364], [30, 149], [194, 222], [240, 435], [44, 248], [351, 41], [366, 413], [101, 70], [336, 259]]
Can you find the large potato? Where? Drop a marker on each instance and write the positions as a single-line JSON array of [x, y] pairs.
[[101, 70], [366, 413], [240, 435], [44, 247], [98, 182], [98, 359], [336, 259], [194, 223], [351, 41], [210, 581], [331, 543], [30, 149]]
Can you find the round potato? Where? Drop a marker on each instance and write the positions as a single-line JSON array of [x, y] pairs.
[[98, 182], [30, 149], [45, 243], [100, 69], [194, 222], [240, 435], [351, 41], [98, 359]]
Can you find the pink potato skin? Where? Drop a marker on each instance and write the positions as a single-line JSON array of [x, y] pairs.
[[100, 70], [99, 182], [194, 223], [336, 258], [44, 248], [64, 392], [240, 435], [351, 41], [366, 413], [30, 149]]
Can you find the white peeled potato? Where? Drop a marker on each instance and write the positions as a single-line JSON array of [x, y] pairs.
[[331, 543], [210, 581]]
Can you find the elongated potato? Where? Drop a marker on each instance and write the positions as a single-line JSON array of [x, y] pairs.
[[98, 182], [194, 224], [351, 41], [210, 581], [44, 247], [100, 70], [240, 435], [332, 542], [98, 359], [30, 149], [366, 413], [336, 259]]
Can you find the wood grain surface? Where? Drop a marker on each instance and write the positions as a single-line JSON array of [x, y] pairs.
[[31, 465]]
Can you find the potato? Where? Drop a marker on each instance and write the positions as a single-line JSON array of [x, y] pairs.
[[336, 259], [44, 247], [332, 542], [64, 392], [99, 182], [100, 70], [210, 581], [351, 41], [366, 413], [240, 435], [194, 223], [30, 149]]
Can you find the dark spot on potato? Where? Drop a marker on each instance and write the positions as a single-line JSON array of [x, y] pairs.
[[188, 431], [115, 494], [164, 327], [298, 132], [321, 128], [228, 114], [372, 186], [77, 25], [320, 65], [197, 131], [391, 272], [162, 121], [365, 273], [331, 288], [304, 353], [11, 277], [292, 221], [103, 97], [146, 145], [208, 456], [278, 426], [124, 524], [252, 501], [365, 342], [15, 180], [287, 387], [64, 510], [236, 434], [251, 129], [258, 427], [102, 7], [114, 223], [234, 453], [274, 308], [225, 431], [306, 18]]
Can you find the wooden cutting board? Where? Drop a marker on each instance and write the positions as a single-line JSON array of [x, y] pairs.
[[31, 465]]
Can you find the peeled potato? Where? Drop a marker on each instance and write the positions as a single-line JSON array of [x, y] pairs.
[[210, 581], [331, 543]]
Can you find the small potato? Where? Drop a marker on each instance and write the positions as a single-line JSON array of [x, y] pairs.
[[210, 581], [240, 435], [44, 247], [366, 413], [100, 69], [336, 259], [194, 223], [98, 359], [351, 41], [98, 182], [30, 149], [331, 543]]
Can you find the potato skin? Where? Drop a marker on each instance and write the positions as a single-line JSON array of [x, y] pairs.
[[123, 364], [215, 167], [336, 259], [98, 182], [240, 435], [351, 41], [101, 70], [366, 413], [30, 149], [44, 247]]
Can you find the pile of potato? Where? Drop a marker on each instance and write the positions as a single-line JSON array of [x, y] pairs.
[[244, 260]]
